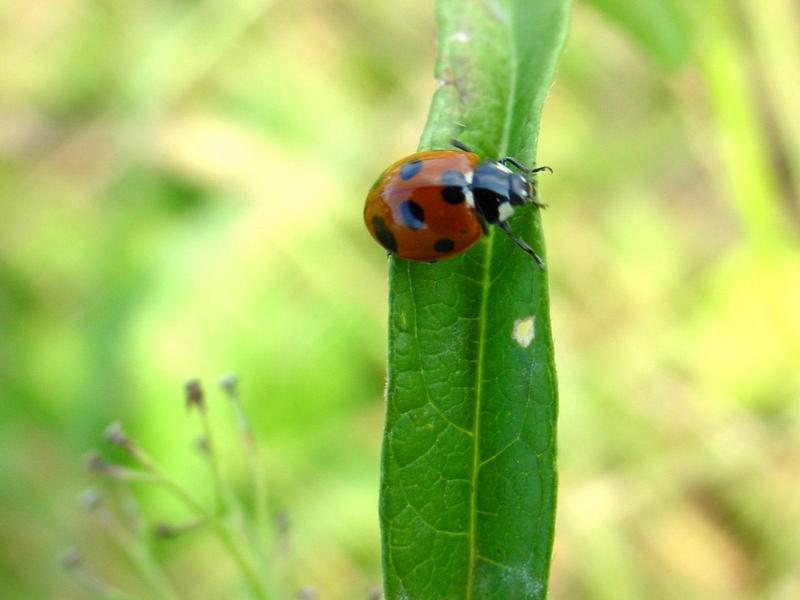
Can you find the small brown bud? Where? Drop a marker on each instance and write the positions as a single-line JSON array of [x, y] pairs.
[[115, 435], [307, 593], [164, 531], [230, 385], [194, 395], [71, 559], [90, 499], [201, 445], [95, 463]]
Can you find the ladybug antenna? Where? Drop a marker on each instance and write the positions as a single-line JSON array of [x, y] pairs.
[[510, 160], [540, 169], [522, 244]]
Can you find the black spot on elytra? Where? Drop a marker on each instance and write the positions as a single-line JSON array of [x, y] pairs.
[[413, 215], [453, 194], [408, 170], [444, 245], [384, 234]]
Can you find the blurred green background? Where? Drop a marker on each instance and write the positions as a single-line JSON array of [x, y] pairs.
[[181, 186]]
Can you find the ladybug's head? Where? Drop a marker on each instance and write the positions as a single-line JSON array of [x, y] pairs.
[[498, 190], [520, 189]]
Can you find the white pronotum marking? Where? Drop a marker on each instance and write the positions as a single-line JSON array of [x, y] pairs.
[[469, 198], [504, 211]]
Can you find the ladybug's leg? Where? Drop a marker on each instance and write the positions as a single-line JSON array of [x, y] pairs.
[[535, 201], [510, 160], [482, 220], [521, 243], [538, 204], [484, 224], [460, 145]]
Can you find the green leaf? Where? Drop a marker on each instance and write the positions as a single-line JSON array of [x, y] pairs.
[[469, 477], [656, 25]]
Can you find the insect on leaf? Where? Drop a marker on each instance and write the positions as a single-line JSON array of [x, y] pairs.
[[469, 477]]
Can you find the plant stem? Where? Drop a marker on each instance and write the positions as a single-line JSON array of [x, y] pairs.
[[254, 462], [216, 473], [221, 529], [141, 558], [97, 589]]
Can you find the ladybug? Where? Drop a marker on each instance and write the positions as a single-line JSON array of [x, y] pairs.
[[438, 204]]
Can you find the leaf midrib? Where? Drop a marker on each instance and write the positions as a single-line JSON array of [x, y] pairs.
[[486, 267]]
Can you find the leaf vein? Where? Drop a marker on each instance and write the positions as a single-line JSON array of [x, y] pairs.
[[487, 262]]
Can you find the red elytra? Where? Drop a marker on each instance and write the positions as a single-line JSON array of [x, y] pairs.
[[437, 204], [412, 211]]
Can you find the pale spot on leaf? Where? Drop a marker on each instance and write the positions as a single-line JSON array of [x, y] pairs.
[[524, 331], [460, 36]]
